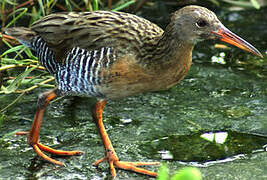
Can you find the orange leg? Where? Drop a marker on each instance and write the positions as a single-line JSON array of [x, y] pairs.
[[33, 134], [111, 156]]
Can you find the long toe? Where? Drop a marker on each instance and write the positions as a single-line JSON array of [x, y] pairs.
[[58, 152], [132, 166], [39, 148]]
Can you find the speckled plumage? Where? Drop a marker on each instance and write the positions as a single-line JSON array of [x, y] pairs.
[[136, 44], [94, 30]]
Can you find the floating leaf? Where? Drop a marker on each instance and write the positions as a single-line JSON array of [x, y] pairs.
[[188, 173]]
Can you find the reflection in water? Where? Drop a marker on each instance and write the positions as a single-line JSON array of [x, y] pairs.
[[205, 149], [219, 59], [218, 137]]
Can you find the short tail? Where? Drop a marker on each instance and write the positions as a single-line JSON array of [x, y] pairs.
[[22, 34]]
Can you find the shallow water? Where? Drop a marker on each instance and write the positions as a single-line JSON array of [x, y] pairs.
[[213, 97]]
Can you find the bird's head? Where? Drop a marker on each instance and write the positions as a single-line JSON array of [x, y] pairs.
[[195, 23]]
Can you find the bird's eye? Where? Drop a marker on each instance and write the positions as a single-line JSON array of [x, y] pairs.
[[201, 23]]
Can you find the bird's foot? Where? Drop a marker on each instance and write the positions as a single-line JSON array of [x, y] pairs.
[[114, 162], [39, 148]]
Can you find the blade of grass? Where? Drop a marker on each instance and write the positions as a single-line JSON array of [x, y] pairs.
[[15, 84], [2, 119], [13, 49], [51, 3], [29, 54], [19, 52], [69, 7], [215, 2], [41, 7], [20, 48], [95, 5], [76, 5], [13, 102], [255, 3], [35, 14], [124, 5], [18, 16], [41, 84], [10, 2], [16, 63], [6, 67], [239, 3]]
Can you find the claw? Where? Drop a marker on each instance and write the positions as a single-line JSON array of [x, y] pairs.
[[130, 166]]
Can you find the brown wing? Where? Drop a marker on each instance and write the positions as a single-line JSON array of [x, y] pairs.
[[93, 30]]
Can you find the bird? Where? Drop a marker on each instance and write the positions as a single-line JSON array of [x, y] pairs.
[[111, 55]]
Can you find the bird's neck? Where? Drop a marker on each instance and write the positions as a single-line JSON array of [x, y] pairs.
[[168, 59], [169, 51]]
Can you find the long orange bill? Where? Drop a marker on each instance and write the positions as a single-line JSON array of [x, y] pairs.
[[231, 38]]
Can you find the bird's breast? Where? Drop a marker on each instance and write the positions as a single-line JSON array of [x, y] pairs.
[[127, 77]]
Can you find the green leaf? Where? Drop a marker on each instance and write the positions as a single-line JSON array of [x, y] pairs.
[[163, 173], [188, 173]]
